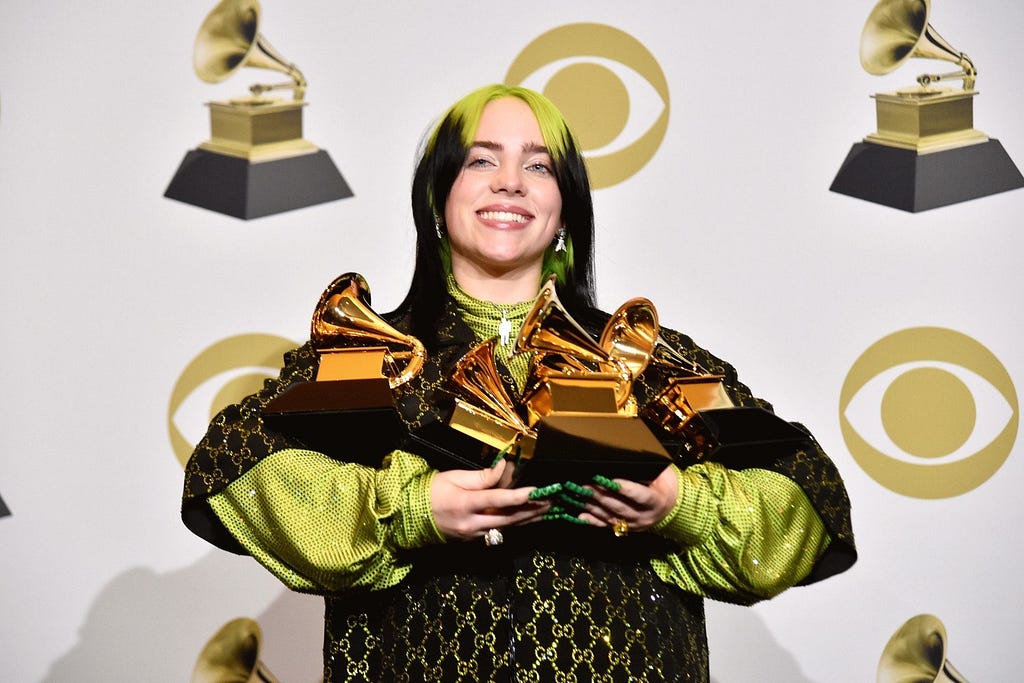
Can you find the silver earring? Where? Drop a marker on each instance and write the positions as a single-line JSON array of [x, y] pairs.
[[437, 227], [560, 244]]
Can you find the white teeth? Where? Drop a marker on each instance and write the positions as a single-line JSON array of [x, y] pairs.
[[503, 216]]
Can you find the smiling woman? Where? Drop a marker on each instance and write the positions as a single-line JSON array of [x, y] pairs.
[[452, 575], [504, 209]]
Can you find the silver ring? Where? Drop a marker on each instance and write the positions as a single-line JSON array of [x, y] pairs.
[[493, 537]]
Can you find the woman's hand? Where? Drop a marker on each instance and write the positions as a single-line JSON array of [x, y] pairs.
[[467, 503], [640, 506]]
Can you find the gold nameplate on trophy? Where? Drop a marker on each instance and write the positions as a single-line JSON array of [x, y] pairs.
[[352, 363], [594, 393]]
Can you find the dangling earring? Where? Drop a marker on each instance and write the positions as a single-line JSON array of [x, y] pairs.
[[560, 244], [437, 227]]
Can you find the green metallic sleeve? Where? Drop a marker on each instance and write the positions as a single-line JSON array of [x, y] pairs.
[[320, 525], [744, 535]]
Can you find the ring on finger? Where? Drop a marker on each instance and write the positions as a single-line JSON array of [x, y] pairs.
[[620, 528], [493, 537]]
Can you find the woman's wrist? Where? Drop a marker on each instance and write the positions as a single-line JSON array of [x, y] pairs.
[[686, 522]]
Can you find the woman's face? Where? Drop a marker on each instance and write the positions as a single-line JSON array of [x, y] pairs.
[[504, 208]]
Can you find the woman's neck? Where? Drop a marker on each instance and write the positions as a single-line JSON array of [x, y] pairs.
[[505, 288]]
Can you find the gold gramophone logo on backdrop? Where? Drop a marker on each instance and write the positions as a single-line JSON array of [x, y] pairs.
[[256, 162], [926, 152], [917, 651], [611, 89], [929, 412], [233, 653]]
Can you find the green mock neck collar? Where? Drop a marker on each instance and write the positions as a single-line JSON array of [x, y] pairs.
[[488, 319]]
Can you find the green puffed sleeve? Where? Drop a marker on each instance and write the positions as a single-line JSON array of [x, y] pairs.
[[320, 525], [744, 535]]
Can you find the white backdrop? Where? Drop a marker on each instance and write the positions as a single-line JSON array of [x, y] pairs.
[[110, 291]]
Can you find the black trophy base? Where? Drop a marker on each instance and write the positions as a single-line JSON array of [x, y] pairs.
[[348, 420], [576, 447], [904, 179], [739, 438], [245, 189], [446, 448]]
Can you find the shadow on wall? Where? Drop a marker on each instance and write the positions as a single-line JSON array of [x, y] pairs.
[[152, 627], [743, 648], [148, 626]]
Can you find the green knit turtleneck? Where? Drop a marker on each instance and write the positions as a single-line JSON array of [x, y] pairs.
[[488, 320]]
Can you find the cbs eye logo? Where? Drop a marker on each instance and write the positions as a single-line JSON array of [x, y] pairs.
[[610, 88], [929, 412], [220, 375]]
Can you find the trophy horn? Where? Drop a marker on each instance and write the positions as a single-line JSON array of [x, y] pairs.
[[232, 655], [916, 653], [229, 39], [631, 334], [897, 30], [549, 328], [476, 378], [564, 346], [343, 317]]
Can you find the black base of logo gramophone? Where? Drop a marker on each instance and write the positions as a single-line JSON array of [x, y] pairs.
[[256, 162], [926, 152]]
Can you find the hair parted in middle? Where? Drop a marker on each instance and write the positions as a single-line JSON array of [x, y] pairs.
[[439, 165]]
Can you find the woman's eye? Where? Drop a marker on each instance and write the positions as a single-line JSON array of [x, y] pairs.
[[540, 167]]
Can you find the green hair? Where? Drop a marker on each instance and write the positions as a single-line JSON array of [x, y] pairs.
[[558, 139], [441, 160]]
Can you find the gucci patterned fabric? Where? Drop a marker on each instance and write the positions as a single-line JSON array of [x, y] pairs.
[[551, 604], [537, 614]]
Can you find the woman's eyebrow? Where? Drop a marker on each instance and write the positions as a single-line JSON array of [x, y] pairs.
[[528, 147]]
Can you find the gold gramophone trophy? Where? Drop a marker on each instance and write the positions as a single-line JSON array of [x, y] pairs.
[[256, 162], [578, 395], [926, 152], [348, 410], [579, 416]]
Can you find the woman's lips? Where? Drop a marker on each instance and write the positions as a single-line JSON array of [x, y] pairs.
[[503, 216]]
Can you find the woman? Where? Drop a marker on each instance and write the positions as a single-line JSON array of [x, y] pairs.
[[501, 200]]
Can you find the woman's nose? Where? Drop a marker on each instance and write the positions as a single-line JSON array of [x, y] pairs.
[[509, 179]]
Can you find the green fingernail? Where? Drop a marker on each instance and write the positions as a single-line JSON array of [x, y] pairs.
[[570, 501], [545, 491], [501, 454], [564, 517], [607, 483], [579, 490]]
